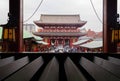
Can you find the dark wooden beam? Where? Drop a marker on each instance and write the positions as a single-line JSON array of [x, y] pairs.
[[96, 71], [16, 9], [109, 23]]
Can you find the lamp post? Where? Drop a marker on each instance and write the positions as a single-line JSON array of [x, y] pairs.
[[8, 34]]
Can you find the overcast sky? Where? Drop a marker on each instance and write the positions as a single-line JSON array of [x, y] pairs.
[[81, 7]]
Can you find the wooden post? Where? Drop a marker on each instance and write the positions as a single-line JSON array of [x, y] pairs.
[[109, 23], [16, 9]]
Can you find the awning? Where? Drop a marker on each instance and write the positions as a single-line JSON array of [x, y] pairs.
[[80, 41], [85, 37], [42, 42], [37, 38], [92, 44], [1, 29]]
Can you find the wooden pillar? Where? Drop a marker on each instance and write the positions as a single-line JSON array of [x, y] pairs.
[[57, 41], [109, 23], [16, 9]]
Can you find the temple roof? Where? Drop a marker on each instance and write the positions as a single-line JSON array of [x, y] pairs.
[[46, 34], [27, 35], [59, 20], [93, 44]]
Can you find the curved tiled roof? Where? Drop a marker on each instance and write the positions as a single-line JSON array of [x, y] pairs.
[[60, 20], [80, 41], [27, 34], [93, 44]]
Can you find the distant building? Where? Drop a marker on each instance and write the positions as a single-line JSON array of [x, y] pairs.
[[94, 34], [29, 27], [99, 35], [91, 33]]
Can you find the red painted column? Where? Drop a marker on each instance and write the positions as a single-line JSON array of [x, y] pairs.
[[76, 39], [71, 42], [49, 41], [63, 42]]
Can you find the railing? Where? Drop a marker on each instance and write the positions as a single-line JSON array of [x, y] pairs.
[[50, 30]]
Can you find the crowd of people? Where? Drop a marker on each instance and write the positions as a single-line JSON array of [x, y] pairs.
[[67, 49], [60, 49]]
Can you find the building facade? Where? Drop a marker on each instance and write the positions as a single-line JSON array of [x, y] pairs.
[[60, 30], [29, 27]]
